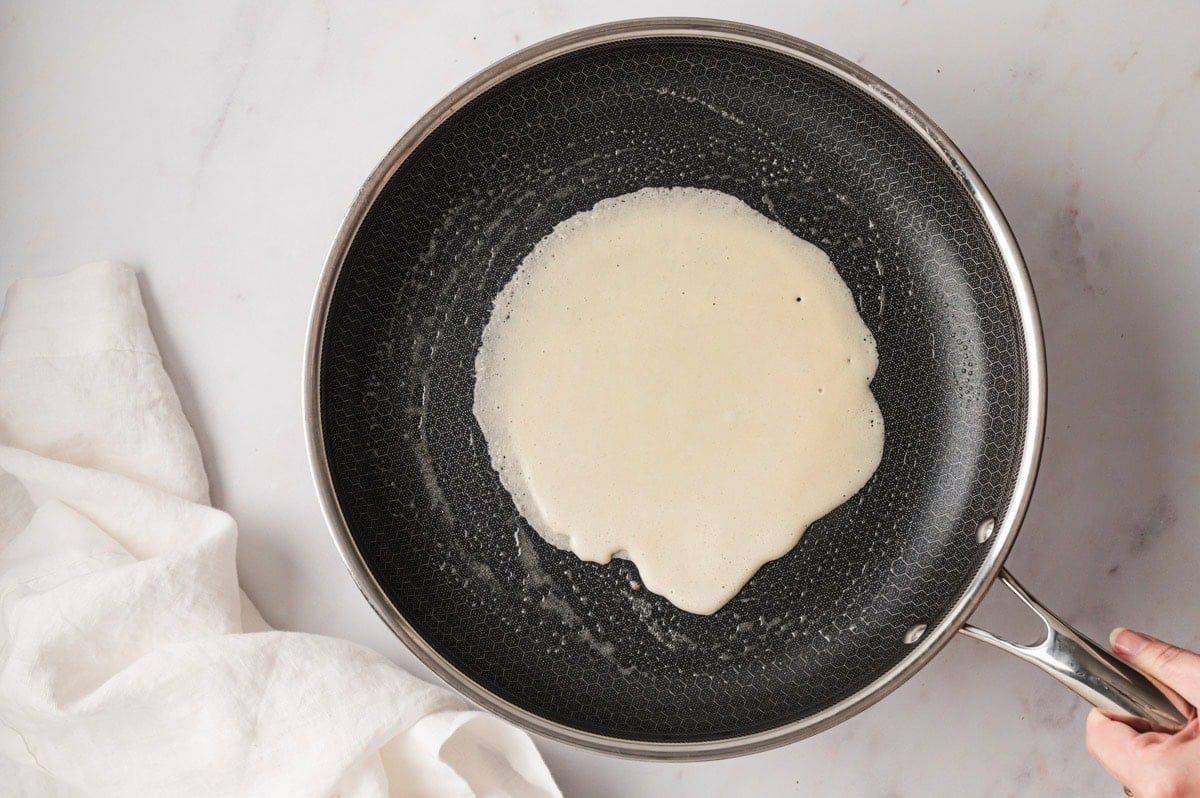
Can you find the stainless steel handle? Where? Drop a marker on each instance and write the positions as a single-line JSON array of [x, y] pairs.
[[1118, 689]]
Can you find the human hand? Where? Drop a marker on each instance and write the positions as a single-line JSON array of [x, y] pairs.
[[1152, 764]]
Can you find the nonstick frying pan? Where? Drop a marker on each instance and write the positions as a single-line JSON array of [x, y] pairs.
[[574, 650]]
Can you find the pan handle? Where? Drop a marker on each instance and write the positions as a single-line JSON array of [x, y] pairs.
[[1120, 691]]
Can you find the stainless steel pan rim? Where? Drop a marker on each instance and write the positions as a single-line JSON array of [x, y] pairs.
[[933, 639]]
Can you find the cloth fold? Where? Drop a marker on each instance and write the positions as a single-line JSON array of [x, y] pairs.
[[130, 661]]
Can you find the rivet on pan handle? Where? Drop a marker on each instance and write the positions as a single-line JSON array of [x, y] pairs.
[[1120, 691]]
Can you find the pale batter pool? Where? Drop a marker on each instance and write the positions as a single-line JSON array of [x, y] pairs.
[[677, 379]]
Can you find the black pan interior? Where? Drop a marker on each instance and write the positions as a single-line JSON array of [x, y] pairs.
[[575, 642]]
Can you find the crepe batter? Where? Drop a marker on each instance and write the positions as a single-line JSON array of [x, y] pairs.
[[674, 378]]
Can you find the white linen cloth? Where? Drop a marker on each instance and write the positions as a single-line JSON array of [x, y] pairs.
[[130, 662]]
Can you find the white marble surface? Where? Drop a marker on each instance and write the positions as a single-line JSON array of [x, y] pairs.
[[216, 146]]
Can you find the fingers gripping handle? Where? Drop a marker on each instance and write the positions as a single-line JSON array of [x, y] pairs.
[[1118, 689]]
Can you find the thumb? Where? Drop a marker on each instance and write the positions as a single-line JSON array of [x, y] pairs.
[[1175, 667]]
